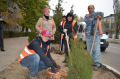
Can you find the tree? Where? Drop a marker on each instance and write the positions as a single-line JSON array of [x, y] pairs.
[[32, 10], [58, 18], [116, 8], [81, 19]]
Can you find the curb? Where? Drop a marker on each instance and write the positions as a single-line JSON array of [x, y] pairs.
[[111, 69], [3, 68]]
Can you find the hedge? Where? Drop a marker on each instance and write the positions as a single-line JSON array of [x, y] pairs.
[[12, 34]]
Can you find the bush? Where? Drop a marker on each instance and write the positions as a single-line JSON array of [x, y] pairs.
[[31, 36], [11, 34], [79, 62]]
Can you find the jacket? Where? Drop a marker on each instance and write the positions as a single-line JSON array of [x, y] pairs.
[[91, 23], [46, 25], [42, 51]]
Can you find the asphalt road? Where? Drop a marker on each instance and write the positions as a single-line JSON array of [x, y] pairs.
[[111, 56]]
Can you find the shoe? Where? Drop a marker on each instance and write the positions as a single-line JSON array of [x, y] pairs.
[[95, 68], [2, 50], [31, 77], [64, 61]]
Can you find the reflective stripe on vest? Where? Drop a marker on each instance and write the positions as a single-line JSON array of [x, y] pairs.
[[27, 52], [99, 25], [73, 23], [52, 26]]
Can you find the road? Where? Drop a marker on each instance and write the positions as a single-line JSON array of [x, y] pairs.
[[111, 56]]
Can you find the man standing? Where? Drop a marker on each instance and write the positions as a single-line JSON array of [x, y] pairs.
[[61, 34], [1, 31], [70, 25], [91, 20]]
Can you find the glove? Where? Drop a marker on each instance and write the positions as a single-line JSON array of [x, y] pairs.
[[65, 30], [53, 69], [57, 66], [67, 37]]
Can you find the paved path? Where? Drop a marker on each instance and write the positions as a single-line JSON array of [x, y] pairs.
[[13, 48]]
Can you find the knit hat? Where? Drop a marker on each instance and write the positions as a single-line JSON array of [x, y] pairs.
[[45, 10], [46, 33]]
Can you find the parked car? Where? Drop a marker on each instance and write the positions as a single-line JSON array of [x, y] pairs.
[[104, 39]]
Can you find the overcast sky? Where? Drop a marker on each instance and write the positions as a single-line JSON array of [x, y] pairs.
[[80, 6]]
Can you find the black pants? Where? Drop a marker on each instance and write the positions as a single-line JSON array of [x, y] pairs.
[[1, 40]]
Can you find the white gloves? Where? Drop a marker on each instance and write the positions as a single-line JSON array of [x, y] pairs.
[[67, 37], [65, 30]]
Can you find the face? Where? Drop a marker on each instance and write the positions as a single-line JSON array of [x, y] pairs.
[[64, 19], [69, 18], [91, 9], [45, 38], [47, 13]]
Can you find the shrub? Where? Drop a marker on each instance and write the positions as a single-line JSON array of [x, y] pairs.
[[31, 36], [11, 34], [79, 62]]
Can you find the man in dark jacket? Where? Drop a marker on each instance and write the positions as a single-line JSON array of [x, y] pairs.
[[37, 56], [1, 31], [71, 26]]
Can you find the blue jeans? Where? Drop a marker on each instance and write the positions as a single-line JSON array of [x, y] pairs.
[[96, 49], [33, 61]]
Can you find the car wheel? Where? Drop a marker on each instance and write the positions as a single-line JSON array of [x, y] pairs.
[[103, 49]]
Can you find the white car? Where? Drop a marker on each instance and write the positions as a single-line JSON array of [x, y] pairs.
[[104, 39]]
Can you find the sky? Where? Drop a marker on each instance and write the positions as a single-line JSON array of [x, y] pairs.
[[81, 6]]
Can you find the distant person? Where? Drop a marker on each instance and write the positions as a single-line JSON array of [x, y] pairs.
[[70, 25], [36, 56], [61, 34], [2, 21], [91, 20], [46, 23]]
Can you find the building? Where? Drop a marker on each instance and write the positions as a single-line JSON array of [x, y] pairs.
[[111, 21]]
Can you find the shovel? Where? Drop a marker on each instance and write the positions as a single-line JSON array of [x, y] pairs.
[[94, 37], [67, 42]]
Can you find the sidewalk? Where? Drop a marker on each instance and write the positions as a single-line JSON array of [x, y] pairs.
[[13, 48], [116, 41]]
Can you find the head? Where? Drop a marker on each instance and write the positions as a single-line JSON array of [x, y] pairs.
[[46, 12], [91, 9], [45, 35], [70, 17], [64, 18]]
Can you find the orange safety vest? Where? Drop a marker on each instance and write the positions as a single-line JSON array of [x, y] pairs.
[[73, 23], [27, 52], [99, 25], [52, 26]]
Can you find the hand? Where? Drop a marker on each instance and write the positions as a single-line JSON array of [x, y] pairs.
[[53, 69], [65, 30], [98, 16], [67, 37], [57, 66]]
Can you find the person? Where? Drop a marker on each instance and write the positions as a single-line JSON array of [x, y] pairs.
[[37, 56], [61, 34], [46, 23], [91, 20], [1, 31], [70, 25]]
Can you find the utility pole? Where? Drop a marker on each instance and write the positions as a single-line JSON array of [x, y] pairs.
[[116, 7]]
